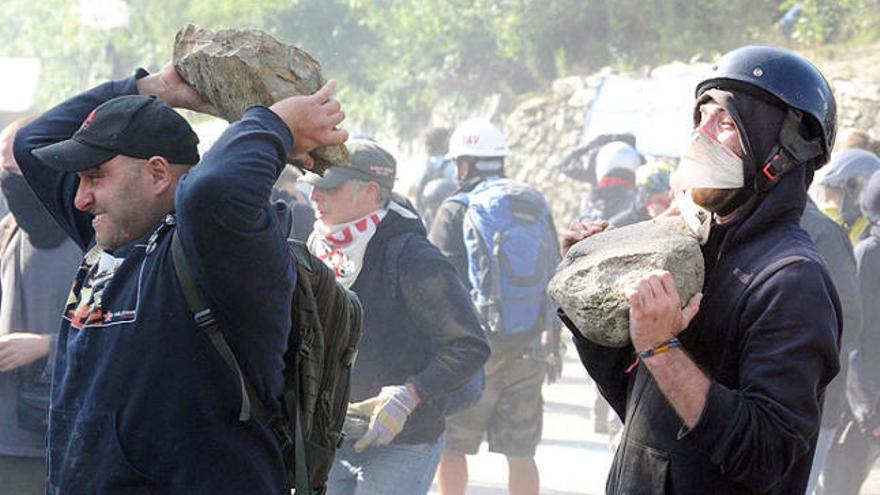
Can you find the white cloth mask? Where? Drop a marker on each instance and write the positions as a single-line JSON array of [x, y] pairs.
[[709, 164]]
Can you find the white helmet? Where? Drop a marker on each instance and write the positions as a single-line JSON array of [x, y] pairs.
[[477, 137], [616, 155]]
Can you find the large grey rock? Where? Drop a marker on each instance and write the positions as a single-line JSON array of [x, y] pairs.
[[234, 69], [590, 281]]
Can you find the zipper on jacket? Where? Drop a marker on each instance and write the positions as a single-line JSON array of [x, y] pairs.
[[168, 221]]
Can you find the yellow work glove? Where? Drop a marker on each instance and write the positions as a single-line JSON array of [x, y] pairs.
[[387, 412]]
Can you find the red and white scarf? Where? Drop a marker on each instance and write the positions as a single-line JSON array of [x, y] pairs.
[[342, 247]]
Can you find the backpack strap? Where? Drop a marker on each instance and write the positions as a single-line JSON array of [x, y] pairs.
[[301, 253], [301, 468], [461, 198], [204, 318]]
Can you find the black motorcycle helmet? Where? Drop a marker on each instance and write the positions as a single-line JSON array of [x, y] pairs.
[[809, 129]]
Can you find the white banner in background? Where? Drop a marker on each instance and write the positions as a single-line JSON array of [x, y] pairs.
[[658, 110]]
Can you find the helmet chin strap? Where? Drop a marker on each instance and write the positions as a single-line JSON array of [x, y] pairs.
[[790, 151]]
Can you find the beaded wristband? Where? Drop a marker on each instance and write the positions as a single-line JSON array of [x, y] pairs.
[[670, 344]]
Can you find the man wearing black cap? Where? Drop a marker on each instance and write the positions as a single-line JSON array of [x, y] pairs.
[[141, 401], [726, 393], [422, 339]]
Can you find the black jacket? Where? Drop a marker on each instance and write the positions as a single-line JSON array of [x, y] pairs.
[[767, 338], [419, 326]]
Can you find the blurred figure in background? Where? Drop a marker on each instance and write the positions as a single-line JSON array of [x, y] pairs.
[[833, 244], [37, 262], [615, 190], [841, 185], [857, 138], [438, 166], [653, 195], [287, 190], [433, 195], [857, 445]]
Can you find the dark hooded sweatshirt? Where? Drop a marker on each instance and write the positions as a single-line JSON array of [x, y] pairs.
[[768, 340], [419, 325], [141, 401]]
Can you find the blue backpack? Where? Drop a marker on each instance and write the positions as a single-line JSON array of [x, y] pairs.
[[512, 253]]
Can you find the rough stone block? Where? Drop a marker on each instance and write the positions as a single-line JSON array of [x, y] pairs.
[[234, 69], [590, 281]]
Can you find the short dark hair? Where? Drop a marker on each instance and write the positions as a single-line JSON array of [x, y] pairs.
[[437, 141]]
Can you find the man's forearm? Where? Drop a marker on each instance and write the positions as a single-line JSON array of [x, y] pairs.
[[682, 382]]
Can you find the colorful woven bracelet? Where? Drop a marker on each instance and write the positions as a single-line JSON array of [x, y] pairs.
[[670, 344]]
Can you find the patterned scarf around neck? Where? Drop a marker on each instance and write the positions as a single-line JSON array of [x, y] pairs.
[[342, 246]]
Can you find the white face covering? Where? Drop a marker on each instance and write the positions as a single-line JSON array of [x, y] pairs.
[[706, 164], [342, 247]]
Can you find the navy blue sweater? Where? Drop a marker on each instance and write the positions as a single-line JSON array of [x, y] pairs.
[[769, 342], [420, 327], [141, 401]]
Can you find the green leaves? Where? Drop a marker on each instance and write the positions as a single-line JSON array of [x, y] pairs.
[[821, 21]]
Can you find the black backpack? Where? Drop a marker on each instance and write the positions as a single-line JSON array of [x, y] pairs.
[[327, 318]]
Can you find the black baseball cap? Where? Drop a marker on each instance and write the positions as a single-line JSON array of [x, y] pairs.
[[369, 162], [134, 125]]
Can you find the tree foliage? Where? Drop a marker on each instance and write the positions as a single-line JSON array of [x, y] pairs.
[[822, 21], [396, 59]]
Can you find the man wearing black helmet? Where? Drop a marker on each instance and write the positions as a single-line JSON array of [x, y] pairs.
[[726, 396]]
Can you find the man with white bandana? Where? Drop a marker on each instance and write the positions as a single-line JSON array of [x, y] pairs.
[[422, 338], [726, 390]]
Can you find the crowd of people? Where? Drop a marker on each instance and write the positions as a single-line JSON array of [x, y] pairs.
[[110, 383]]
